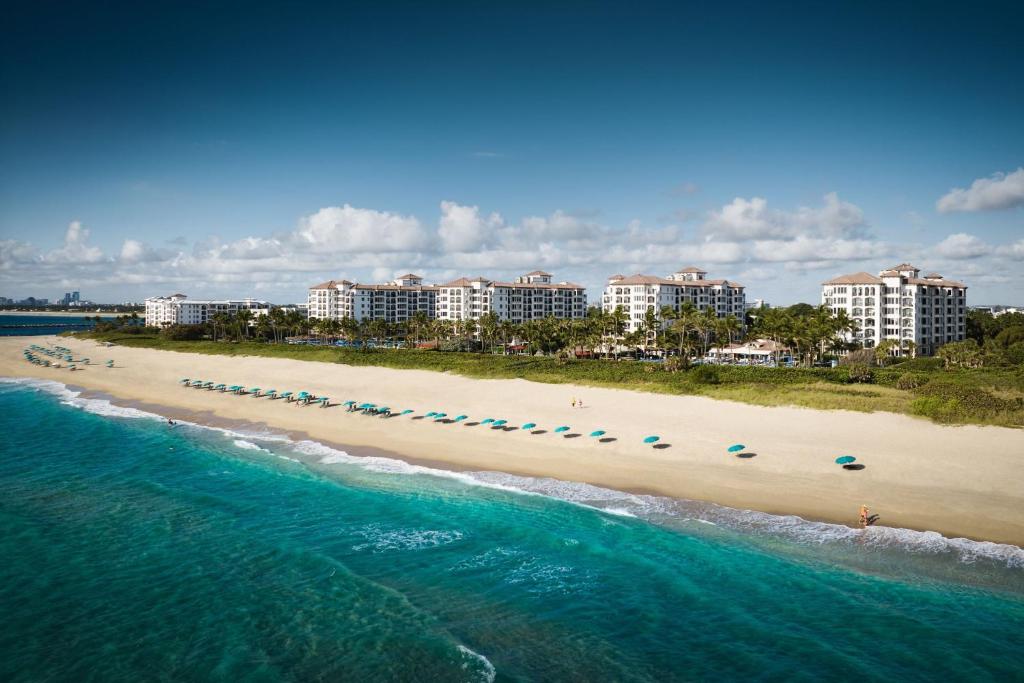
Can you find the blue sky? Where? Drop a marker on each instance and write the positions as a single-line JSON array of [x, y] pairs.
[[233, 150]]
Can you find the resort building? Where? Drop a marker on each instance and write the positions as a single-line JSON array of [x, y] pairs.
[[396, 301], [530, 297], [637, 293], [899, 304], [178, 309]]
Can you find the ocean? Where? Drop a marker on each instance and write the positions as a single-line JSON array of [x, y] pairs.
[[137, 551], [12, 325]]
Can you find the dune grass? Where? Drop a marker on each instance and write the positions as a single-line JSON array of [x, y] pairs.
[[984, 396]]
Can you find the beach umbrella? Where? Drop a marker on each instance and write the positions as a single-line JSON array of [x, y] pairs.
[[736, 448], [498, 423], [184, 381], [348, 403], [406, 412], [432, 413], [597, 432], [487, 421], [563, 428], [845, 460], [460, 418], [439, 416], [652, 439], [529, 425]]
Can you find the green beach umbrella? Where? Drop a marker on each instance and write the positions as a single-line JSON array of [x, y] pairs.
[[432, 413], [563, 428], [498, 423], [652, 439], [406, 411], [845, 460], [736, 448], [529, 425], [597, 432], [487, 421], [460, 418]]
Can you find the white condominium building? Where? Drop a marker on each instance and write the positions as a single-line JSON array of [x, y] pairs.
[[530, 297], [396, 301], [178, 309], [898, 304], [636, 293]]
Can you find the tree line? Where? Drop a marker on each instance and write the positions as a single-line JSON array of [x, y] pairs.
[[810, 332]]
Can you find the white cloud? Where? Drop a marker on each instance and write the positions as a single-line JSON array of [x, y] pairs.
[[1014, 251], [463, 229], [1000, 191], [346, 229], [75, 249], [744, 219], [962, 246]]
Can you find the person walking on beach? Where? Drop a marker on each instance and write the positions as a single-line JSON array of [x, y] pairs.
[[573, 401], [866, 518]]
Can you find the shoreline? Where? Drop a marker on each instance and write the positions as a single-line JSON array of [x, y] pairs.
[[959, 481]]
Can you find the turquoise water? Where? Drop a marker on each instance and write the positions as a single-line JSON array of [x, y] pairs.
[[134, 551], [25, 325]]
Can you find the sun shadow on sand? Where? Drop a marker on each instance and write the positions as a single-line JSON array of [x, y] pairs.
[[572, 436], [858, 466], [511, 429], [661, 446], [539, 431], [746, 455], [608, 439], [419, 417], [471, 424]]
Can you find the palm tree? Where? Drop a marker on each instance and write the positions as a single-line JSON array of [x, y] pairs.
[[488, 325], [243, 319]]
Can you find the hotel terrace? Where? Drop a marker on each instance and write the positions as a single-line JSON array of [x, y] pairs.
[[899, 304], [636, 293], [531, 296]]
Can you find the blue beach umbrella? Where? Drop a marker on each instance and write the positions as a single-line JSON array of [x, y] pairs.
[[652, 439], [498, 423], [432, 413], [845, 460], [460, 418], [563, 428], [487, 421], [597, 432], [736, 448], [529, 425], [439, 416], [406, 412]]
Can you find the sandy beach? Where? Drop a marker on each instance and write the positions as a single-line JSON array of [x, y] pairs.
[[960, 481]]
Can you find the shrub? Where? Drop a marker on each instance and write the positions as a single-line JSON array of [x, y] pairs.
[[705, 374], [183, 332], [676, 363], [909, 380], [860, 374], [933, 407], [961, 401], [859, 357]]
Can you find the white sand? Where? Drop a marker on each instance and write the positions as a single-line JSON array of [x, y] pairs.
[[960, 481]]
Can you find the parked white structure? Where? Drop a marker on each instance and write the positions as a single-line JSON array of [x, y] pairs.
[[396, 301], [637, 293], [899, 304], [178, 309], [530, 297]]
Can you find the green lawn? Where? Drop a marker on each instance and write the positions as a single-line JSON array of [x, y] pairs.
[[983, 396]]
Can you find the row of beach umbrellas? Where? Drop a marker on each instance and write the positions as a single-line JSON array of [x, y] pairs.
[[306, 397]]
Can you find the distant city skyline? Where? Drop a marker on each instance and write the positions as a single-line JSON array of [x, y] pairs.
[[233, 150]]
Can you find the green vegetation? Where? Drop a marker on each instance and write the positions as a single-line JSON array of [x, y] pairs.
[[981, 395]]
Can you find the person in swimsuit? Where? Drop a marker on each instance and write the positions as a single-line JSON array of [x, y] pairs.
[[866, 518]]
